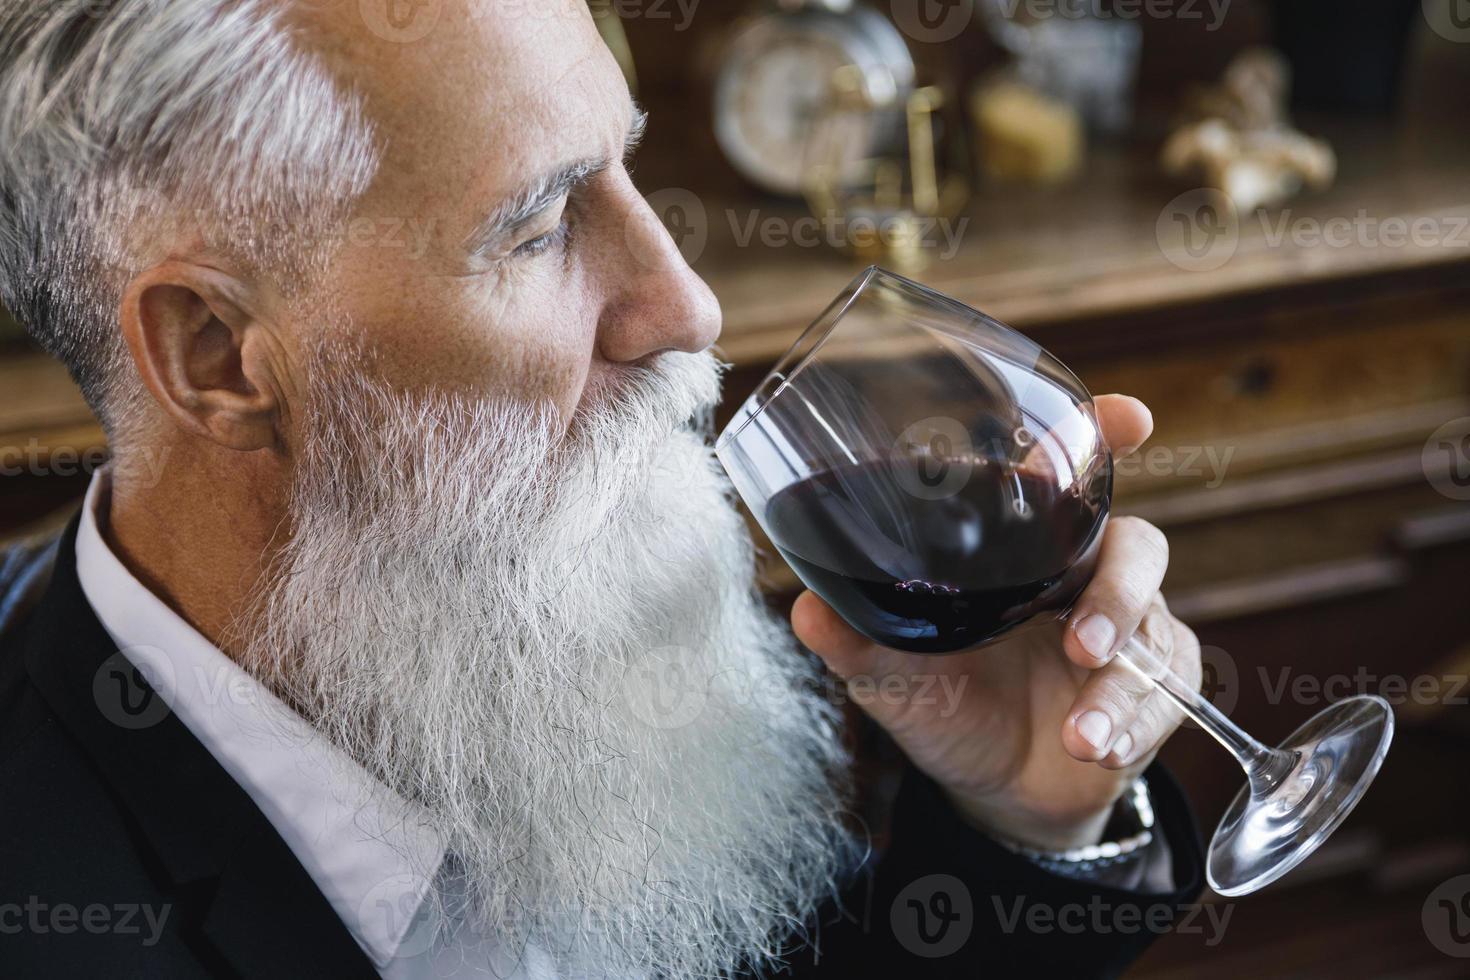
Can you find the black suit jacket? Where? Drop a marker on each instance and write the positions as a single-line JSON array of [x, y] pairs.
[[127, 851]]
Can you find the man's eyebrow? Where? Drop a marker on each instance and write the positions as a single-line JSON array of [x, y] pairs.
[[547, 190], [636, 129]]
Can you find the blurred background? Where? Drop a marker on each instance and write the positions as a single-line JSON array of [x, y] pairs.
[[1253, 215]]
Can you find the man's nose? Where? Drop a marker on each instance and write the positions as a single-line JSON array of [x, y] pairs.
[[656, 302]]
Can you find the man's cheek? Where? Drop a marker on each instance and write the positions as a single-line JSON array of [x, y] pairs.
[[553, 374], [490, 297], [546, 336]]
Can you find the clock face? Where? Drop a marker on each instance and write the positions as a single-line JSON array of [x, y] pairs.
[[776, 83], [772, 105]]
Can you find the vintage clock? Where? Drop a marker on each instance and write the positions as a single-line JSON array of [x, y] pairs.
[[776, 78]]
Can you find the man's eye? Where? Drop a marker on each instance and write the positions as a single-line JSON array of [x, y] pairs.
[[542, 243]]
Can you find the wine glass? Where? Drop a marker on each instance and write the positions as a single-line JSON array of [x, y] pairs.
[[941, 481]]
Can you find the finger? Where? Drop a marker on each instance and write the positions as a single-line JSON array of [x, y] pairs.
[[1126, 422], [845, 651], [849, 655], [1159, 716], [1112, 700], [1131, 563]]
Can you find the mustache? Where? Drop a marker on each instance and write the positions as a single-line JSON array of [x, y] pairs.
[[624, 418], [673, 390]]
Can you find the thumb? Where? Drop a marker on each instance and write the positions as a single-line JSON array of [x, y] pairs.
[[845, 651]]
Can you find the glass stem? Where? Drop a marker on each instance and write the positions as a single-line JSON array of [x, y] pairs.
[[1264, 767]]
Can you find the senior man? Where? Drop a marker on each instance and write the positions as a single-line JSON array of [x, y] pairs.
[[352, 678]]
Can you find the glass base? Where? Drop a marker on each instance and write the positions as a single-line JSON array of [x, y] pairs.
[[1333, 758]]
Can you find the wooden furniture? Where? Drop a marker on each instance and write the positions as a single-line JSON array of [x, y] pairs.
[[49, 442]]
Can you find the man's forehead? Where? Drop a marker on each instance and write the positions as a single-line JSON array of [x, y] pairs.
[[510, 81]]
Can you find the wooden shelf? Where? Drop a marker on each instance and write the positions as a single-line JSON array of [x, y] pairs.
[[42, 410], [1030, 255]]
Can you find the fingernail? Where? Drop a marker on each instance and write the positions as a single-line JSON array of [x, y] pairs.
[[1123, 746], [1095, 727], [1097, 634]]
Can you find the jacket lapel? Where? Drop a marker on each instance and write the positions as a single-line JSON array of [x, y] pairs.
[[258, 907]]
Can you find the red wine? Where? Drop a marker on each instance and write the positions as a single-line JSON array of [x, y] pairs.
[[932, 573]]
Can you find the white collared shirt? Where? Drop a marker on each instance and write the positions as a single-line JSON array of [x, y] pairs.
[[371, 853]]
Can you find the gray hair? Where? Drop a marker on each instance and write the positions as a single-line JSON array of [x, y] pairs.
[[125, 124]]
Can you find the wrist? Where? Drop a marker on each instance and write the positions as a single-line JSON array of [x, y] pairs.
[[1030, 828]]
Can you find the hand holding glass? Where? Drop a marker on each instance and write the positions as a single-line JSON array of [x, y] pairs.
[[941, 482]]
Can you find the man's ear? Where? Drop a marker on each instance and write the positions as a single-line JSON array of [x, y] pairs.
[[206, 359]]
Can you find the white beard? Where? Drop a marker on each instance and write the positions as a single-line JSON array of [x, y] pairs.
[[554, 646]]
